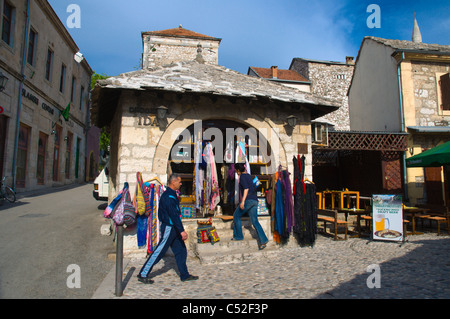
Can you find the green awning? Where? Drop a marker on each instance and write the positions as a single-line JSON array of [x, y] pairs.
[[435, 157]]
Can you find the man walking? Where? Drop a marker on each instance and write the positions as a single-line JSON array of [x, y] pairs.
[[172, 234]]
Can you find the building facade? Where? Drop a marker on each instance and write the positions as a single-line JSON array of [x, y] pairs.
[[402, 86], [330, 80], [39, 148], [288, 78], [157, 116]]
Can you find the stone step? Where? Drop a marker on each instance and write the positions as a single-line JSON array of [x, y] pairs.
[[228, 251]]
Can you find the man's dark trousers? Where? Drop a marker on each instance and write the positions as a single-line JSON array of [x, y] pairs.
[[169, 238]]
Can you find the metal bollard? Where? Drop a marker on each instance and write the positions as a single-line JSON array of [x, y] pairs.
[[119, 261]]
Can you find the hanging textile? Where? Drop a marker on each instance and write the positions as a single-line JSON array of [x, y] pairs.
[[141, 231], [153, 222], [230, 184], [281, 205], [288, 204], [279, 211], [305, 207], [241, 156], [141, 197], [198, 174], [212, 180]]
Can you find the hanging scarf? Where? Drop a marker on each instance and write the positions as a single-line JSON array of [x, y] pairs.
[[212, 178], [279, 213], [240, 155], [141, 230], [288, 205], [153, 224], [305, 207]]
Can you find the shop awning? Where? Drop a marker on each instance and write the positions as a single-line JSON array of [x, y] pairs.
[[435, 157]]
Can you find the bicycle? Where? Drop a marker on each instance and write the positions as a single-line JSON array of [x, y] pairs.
[[7, 192]]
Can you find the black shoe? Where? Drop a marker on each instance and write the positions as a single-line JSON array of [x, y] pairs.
[[144, 280], [190, 278]]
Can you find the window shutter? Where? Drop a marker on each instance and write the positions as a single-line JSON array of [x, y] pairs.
[[445, 91]]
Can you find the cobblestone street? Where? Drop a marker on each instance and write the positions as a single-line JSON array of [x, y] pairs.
[[420, 268]]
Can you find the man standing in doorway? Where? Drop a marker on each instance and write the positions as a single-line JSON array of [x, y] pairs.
[[172, 234]]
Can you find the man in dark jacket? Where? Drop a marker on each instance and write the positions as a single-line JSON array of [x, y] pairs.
[[172, 234]]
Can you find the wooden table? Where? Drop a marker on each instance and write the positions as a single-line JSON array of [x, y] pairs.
[[341, 195], [413, 211], [323, 197], [359, 213], [319, 200]]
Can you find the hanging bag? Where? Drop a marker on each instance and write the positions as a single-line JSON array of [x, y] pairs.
[[124, 211], [109, 211], [142, 200], [129, 211]]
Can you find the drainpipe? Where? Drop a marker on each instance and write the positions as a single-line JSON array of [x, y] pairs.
[[402, 120], [19, 103]]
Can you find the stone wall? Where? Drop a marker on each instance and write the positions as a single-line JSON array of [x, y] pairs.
[[426, 94], [139, 145], [329, 80], [41, 99], [160, 50]]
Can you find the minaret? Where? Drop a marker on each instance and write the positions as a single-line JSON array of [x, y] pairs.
[[416, 36]]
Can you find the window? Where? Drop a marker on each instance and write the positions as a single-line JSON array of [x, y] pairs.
[[49, 65], [339, 76], [62, 80], [74, 85], [319, 133], [445, 91], [8, 23], [81, 98], [32, 41], [42, 147]]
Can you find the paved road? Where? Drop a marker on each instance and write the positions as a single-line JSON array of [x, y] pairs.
[[42, 234], [418, 269]]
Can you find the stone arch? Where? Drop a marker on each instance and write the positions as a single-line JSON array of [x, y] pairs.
[[234, 113]]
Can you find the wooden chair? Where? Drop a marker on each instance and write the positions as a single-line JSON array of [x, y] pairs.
[[331, 216]]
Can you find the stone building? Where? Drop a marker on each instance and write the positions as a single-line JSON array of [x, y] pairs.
[[155, 115], [402, 86], [178, 44], [38, 148], [288, 78], [330, 80]]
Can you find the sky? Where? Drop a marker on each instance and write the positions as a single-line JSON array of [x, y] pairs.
[[259, 33]]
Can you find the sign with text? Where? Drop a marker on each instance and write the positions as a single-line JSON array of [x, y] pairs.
[[387, 217]]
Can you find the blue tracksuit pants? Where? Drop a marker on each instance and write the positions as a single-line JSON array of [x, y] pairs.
[[169, 238]]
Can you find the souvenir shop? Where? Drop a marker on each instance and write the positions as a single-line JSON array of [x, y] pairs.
[[188, 118], [291, 208]]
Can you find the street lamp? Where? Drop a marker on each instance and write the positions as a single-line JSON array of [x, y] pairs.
[[161, 112], [292, 120], [3, 80]]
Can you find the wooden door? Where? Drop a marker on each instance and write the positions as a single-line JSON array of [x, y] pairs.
[[433, 184]]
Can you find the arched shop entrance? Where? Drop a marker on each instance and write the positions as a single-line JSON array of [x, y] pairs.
[[229, 142]]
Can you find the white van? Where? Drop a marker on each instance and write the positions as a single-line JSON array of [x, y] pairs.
[[101, 184]]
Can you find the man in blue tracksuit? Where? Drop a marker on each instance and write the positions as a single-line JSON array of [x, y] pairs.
[[172, 234]]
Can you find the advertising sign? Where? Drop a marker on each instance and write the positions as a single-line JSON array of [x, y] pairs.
[[387, 217]]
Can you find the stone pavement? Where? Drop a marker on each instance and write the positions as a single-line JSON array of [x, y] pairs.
[[420, 268]]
